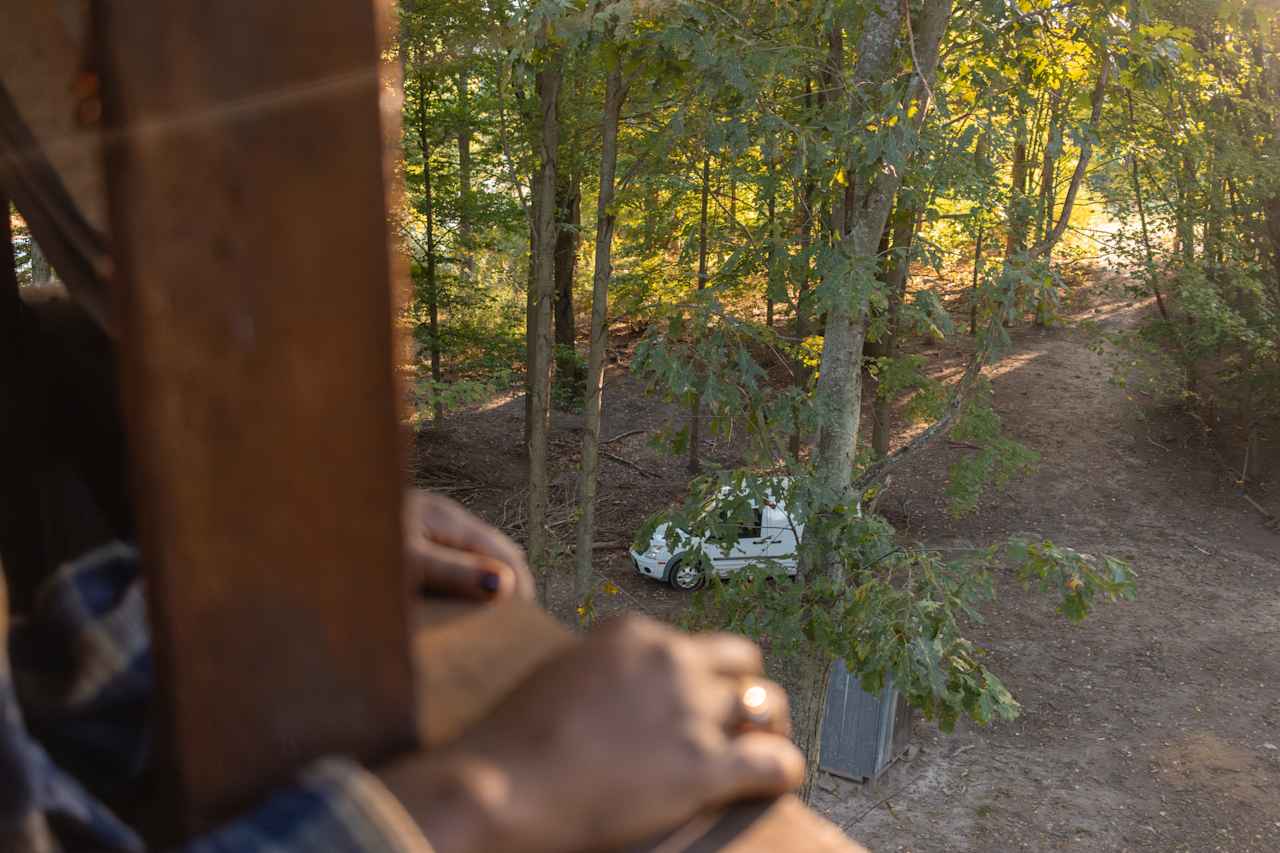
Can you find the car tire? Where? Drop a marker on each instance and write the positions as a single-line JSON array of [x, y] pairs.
[[685, 575]]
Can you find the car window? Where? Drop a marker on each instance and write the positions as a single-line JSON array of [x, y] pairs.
[[751, 530]]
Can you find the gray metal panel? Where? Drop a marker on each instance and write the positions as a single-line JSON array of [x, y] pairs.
[[901, 738], [862, 733]]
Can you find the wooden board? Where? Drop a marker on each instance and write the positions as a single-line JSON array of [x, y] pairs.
[[248, 214], [470, 657]]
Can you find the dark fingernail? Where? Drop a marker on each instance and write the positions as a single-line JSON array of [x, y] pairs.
[[489, 582]]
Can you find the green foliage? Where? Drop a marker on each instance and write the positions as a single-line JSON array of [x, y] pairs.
[[426, 394], [900, 613], [744, 88], [1080, 579], [994, 457], [899, 375], [1198, 195]]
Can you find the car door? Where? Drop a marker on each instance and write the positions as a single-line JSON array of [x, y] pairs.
[[776, 545], [748, 547]]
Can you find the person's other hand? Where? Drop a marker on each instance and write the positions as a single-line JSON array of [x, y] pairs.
[[630, 733], [449, 551]]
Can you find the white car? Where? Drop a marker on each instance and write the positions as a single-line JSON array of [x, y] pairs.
[[768, 539]]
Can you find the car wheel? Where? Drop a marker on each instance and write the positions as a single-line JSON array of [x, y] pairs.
[[686, 575]]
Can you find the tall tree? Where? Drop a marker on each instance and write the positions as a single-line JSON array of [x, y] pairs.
[[466, 201], [695, 408], [542, 296], [839, 389], [606, 217], [432, 282], [568, 223]]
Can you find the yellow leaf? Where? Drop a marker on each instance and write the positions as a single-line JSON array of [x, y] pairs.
[[841, 178]]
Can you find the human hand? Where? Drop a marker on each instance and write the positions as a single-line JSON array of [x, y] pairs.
[[630, 733], [449, 551]]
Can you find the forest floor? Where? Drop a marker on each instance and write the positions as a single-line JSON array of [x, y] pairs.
[[1152, 726]]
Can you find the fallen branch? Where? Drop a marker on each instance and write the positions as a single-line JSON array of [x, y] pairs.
[[1271, 520], [621, 436], [877, 470], [616, 458]]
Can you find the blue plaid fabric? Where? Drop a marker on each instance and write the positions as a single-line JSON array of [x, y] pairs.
[[74, 686]]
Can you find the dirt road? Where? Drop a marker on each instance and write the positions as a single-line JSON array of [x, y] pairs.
[[1153, 726]]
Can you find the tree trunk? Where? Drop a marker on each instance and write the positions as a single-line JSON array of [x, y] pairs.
[[433, 291], [466, 258], [1148, 254], [568, 223], [614, 95], [1048, 170], [771, 275], [1271, 218], [977, 275], [895, 273], [839, 391], [1040, 228], [568, 376], [1186, 230], [980, 161], [530, 305], [732, 223], [804, 225], [548, 85], [695, 409], [1016, 215]]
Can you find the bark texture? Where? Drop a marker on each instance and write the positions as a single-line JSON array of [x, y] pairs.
[[615, 94], [861, 214], [695, 409], [839, 390], [895, 273], [432, 280], [543, 294]]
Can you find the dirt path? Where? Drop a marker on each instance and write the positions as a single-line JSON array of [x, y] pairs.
[[1155, 725]]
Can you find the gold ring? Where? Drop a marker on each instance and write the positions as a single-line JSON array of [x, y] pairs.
[[754, 707]]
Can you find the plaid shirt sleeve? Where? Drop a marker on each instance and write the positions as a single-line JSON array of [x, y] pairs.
[[74, 684]]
